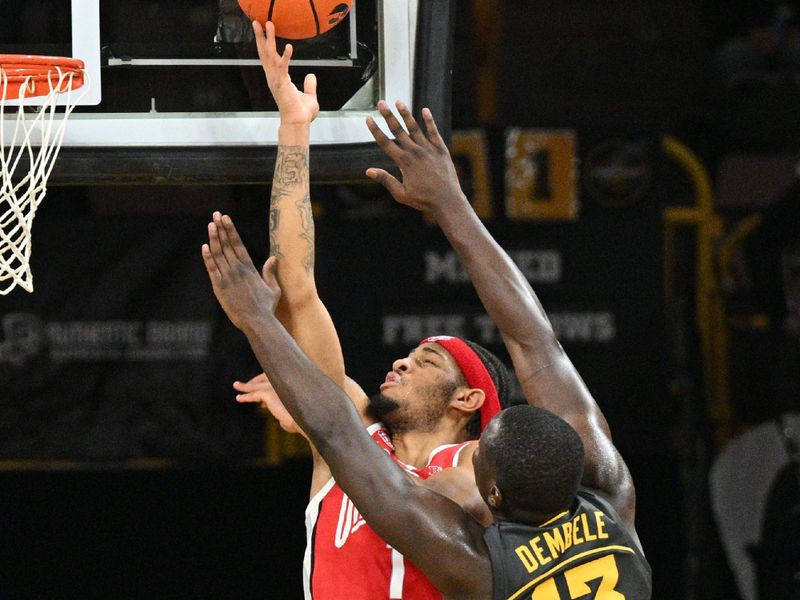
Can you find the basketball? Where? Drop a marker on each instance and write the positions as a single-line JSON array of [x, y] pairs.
[[295, 20]]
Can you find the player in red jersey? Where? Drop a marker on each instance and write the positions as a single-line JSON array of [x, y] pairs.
[[432, 403], [561, 497]]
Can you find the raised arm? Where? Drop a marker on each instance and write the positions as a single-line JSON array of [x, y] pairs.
[[417, 522], [291, 223], [548, 377], [291, 235]]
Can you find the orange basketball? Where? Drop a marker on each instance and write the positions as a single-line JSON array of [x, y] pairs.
[[296, 19]]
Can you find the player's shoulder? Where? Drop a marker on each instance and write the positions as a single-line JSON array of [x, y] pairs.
[[600, 500], [590, 498], [453, 455]]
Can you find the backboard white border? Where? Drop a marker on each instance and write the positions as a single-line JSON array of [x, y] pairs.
[[85, 46], [233, 129]]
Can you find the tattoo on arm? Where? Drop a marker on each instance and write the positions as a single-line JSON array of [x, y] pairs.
[[291, 166], [307, 223], [274, 219], [291, 176]]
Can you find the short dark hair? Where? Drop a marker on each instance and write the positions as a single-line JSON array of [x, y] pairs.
[[537, 458], [501, 379]]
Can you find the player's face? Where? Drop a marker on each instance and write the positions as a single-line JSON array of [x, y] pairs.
[[417, 390]]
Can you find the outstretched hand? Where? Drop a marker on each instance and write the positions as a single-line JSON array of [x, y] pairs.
[[243, 293], [430, 182], [260, 390], [295, 107]]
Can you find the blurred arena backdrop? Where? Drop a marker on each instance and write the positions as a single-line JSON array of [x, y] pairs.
[[636, 160]]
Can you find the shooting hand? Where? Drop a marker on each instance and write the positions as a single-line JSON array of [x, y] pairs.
[[296, 107]]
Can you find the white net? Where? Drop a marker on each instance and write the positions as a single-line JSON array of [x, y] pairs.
[[32, 146]]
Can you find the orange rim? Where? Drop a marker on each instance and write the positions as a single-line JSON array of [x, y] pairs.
[[37, 73]]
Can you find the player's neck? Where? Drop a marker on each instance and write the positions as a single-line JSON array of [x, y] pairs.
[[527, 517], [414, 447]]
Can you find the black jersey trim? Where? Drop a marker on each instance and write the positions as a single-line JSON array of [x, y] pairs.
[[553, 520], [558, 567]]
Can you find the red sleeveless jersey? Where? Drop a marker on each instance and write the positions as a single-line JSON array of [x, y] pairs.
[[345, 558]]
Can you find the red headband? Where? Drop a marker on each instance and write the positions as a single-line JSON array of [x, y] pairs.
[[474, 372]]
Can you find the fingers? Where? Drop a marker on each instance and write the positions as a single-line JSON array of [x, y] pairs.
[[225, 247], [268, 274], [211, 265], [269, 38], [251, 387], [260, 378], [259, 32], [270, 267], [259, 382], [393, 186], [264, 46], [310, 85], [225, 241], [414, 130], [215, 249], [235, 241], [391, 149], [287, 56], [269, 271], [401, 137], [267, 47], [405, 141], [433, 130], [257, 389], [249, 397]]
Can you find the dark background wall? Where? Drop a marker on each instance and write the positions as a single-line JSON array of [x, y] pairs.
[[216, 522]]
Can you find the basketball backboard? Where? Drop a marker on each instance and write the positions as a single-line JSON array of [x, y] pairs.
[[177, 94]]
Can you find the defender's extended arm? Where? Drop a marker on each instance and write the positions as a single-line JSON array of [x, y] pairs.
[[548, 377]]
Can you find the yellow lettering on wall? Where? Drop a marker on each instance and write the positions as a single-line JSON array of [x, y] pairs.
[[526, 556], [471, 158], [541, 178]]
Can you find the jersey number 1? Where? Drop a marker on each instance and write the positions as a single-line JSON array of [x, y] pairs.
[[578, 578]]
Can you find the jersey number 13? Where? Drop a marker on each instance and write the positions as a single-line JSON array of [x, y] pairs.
[[577, 582]]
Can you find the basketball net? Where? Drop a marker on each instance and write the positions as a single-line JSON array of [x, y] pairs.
[[19, 200]]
